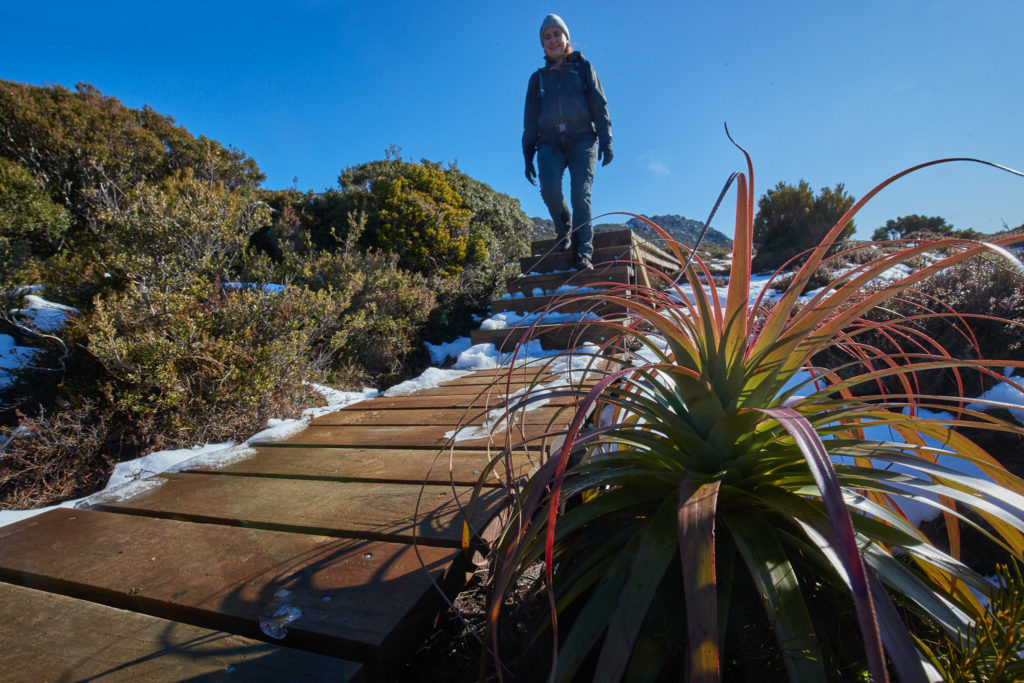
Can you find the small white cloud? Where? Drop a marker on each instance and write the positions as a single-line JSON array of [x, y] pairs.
[[657, 165], [659, 168]]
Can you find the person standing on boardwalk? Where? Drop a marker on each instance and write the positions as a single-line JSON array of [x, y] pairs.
[[566, 125]]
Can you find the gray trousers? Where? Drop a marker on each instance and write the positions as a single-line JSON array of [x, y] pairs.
[[579, 155]]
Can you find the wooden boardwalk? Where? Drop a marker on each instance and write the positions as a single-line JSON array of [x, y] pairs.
[[319, 557]]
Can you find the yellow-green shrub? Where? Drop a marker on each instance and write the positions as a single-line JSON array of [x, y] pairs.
[[380, 312], [31, 225], [203, 363]]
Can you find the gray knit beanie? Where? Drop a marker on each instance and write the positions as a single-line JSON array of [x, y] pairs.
[[554, 20]]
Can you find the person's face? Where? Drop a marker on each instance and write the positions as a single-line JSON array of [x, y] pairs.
[[554, 42]]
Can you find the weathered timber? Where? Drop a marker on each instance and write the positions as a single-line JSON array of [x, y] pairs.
[[568, 303], [560, 336], [360, 600], [564, 260], [609, 238], [538, 412], [51, 637], [620, 273], [447, 401], [428, 515], [460, 467], [429, 436]]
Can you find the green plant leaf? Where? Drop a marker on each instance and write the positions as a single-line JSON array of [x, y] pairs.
[[824, 475], [770, 568], [651, 559]]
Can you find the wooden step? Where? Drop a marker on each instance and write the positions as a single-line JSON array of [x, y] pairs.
[[51, 637], [532, 404], [564, 259], [461, 467], [416, 436], [568, 303], [525, 372], [609, 238], [399, 513], [549, 282], [360, 600], [406, 417], [460, 394], [561, 336], [478, 399]]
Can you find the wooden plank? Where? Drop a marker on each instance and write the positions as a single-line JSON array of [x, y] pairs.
[[658, 255], [564, 260], [448, 401], [401, 417], [374, 464], [430, 436], [400, 513], [604, 238], [539, 411], [551, 281], [462, 392], [562, 336], [50, 637], [361, 600], [523, 373], [458, 396], [571, 303]]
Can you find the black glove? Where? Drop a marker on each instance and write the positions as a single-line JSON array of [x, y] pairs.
[[605, 154], [531, 173]]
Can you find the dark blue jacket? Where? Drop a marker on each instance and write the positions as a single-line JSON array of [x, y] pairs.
[[563, 103]]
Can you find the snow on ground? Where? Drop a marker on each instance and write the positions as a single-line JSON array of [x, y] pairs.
[[539, 291], [45, 316], [430, 378], [439, 353], [562, 368], [757, 285], [12, 357], [1006, 395], [42, 314], [502, 321]]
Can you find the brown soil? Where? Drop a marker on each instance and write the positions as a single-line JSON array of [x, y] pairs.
[[452, 654]]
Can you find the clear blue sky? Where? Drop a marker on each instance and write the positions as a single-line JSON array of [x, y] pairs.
[[821, 91]]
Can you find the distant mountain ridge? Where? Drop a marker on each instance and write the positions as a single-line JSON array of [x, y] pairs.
[[681, 229]]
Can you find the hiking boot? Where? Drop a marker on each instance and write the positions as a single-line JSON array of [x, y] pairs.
[[583, 262], [562, 244]]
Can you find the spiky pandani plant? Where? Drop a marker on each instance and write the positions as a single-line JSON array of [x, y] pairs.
[[717, 498]]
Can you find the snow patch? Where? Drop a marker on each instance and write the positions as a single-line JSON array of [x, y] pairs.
[[1005, 396], [439, 353], [12, 357], [44, 315]]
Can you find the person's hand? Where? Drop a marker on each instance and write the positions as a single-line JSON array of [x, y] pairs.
[[531, 173], [605, 154]]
